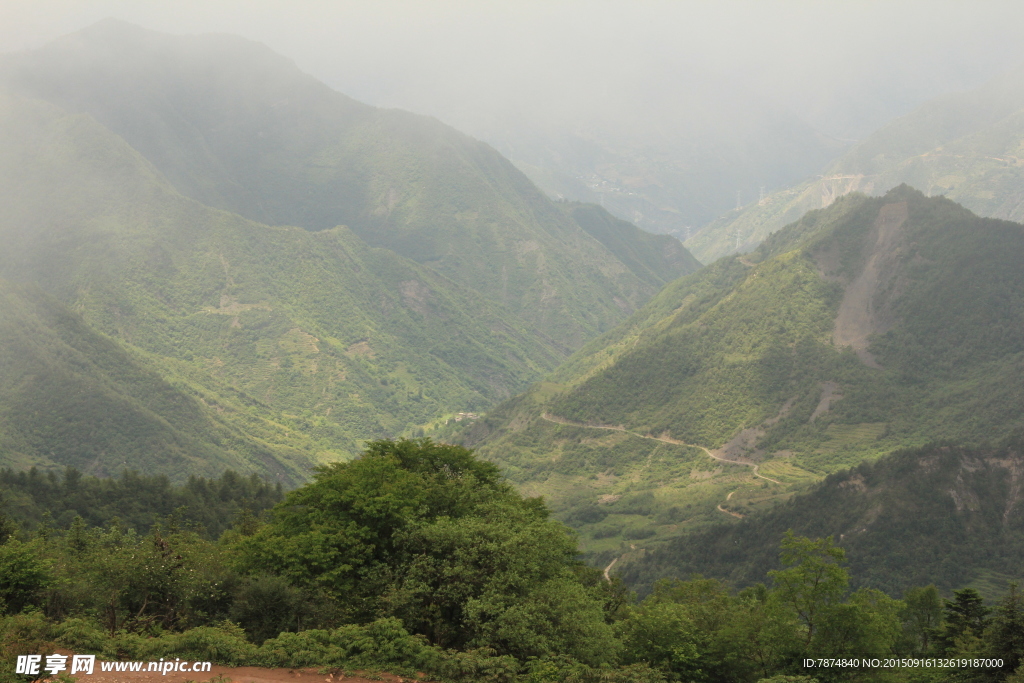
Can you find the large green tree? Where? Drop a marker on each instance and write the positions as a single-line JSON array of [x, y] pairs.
[[428, 533]]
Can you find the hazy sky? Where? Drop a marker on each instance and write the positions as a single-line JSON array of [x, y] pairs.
[[845, 67]]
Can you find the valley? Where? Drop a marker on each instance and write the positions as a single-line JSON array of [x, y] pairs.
[[782, 366], [675, 442], [710, 454], [338, 334], [293, 383]]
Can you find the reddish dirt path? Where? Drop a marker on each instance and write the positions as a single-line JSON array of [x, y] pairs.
[[241, 674], [730, 512]]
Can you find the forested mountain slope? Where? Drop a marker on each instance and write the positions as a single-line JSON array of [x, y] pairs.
[[72, 397], [946, 515], [349, 340], [655, 259], [235, 126], [966, 146], [35, 498], [875, 324]]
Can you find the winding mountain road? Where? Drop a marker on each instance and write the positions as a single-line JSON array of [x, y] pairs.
[[729, 512], [607, 569], [674, 442]]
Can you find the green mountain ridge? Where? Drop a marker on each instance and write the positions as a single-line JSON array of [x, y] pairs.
[[873, 325], [968, 147], [357, 340], [235, 126], [655, 259], [333, 340]]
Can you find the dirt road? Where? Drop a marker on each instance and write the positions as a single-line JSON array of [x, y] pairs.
[[241, 674], [663, 439]]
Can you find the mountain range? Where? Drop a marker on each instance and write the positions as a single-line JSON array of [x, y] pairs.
[[669, 159], [213, 261], [75, 398], [966, 146], [237, 127], [346, 272], [873, 325]]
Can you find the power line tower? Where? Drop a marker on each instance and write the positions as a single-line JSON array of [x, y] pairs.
[[738, 205]]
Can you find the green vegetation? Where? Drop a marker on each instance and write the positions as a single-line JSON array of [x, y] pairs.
[[874, 325], [427, 280], [655, 259], [70, 396], [35, 501], [268, 348], [413, 556], [237, 127], [418, 557], [940, 514], [328, 339]]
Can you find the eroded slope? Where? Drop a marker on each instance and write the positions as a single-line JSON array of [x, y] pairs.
[[869, 326]]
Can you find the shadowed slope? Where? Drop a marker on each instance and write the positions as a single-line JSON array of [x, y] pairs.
[[235, 126], [939, 514], [352, 341]]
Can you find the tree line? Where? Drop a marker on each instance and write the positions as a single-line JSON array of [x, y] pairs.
[[418, 556]]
